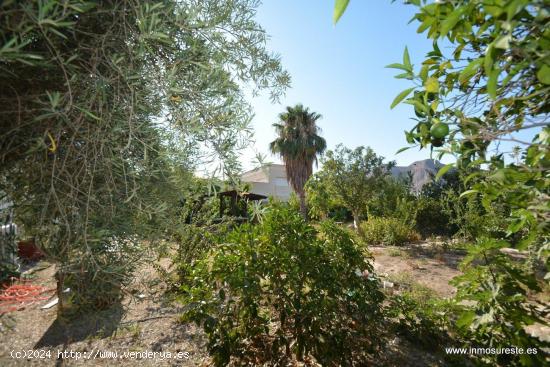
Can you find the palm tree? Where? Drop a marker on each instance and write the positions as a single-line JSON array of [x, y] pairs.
[[298, 144]]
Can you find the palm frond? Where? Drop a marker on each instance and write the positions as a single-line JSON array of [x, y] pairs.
[[298, 143]]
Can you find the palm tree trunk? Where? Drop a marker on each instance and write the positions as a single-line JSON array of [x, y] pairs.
[[303, 205]]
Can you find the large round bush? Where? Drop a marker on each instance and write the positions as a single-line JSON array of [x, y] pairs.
[[285, 290]]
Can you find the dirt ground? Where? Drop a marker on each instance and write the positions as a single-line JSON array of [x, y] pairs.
[[424, 263], [146, 322]]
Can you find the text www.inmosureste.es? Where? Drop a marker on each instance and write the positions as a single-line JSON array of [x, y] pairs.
[[484, 351]]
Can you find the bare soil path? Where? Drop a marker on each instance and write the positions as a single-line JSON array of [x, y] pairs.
[[427, 264]]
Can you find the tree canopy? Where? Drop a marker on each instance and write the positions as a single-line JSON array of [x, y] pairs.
[[354, 177], [107, 105], [298, 142]]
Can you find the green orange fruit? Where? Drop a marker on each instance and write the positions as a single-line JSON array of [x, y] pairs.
[[439, 130]]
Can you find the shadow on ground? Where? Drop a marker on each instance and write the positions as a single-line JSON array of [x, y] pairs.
[[101, 324], [449, 257]]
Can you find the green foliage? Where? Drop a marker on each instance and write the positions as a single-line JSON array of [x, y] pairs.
[[506, 86], [498, 289], [198, 203], [353, 177], [193, 242], [108, 269], [106, 108], [294, 202], [491, 84], [431, 218], [321, 203], [471, 219], [256, 211], [196, 225], [387, 231], [443, 181], [510, 95], [339, 9], [422, 317], [285, 290], [433, 212], [394, 198], [340, 214]]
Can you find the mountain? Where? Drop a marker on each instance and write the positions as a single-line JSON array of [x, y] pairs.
[[422, 172]]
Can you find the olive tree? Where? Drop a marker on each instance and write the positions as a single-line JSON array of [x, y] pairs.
[[105, 106]]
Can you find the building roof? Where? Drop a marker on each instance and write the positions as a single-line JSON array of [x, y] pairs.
[[263, 174]]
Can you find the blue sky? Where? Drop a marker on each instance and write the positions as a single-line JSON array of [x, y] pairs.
[[339, 72]]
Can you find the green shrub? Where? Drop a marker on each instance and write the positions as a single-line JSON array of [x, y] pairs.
[[387, 231], [284, 290], [494, 292], [194, 240], [472, 219], [421, 317], [426, 321], [293, 201], [432, 218]]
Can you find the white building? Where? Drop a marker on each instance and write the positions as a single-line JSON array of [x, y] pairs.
[[269, 180]]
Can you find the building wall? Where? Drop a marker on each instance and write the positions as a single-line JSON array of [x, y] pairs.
[[270, 181]]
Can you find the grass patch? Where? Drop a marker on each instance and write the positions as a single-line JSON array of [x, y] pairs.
[[395, 252]]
